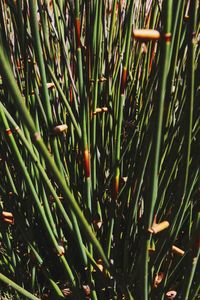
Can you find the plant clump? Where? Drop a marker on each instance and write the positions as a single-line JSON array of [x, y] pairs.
[[99, 149]]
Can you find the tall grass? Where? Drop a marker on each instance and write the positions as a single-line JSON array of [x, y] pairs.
[[99, 149]]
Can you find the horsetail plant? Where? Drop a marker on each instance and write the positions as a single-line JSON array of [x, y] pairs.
[[99, 149]]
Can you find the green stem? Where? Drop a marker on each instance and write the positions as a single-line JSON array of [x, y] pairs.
[[35, 196], [17, 287], [14, 90]]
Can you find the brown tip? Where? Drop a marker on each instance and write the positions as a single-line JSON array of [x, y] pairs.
[[8, 217], [177, 250], [8, 131], [100, 110], [60, 128], [171, 295], [186, 17], [123, 80], [7, 214], [116, 187], [50, 85], [97, 224], [100, 265], [146, 34], [37, 136], [159, 227], [61, 250], [168, 37], [87, 163], [158, 279], [78, 32]]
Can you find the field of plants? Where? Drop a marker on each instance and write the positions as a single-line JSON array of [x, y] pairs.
[[99, 149]]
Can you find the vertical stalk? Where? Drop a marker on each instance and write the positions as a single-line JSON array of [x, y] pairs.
[[122, 98], [85, 124], [117, 141], [41, 65], [157, 139], [14, 90], [86, 150], [159, 109], [189, 104], [35, 196]]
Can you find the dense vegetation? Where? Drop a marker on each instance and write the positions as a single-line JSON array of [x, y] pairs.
[[99, 149]]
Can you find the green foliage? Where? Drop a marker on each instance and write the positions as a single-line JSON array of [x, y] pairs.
[[99, 149]]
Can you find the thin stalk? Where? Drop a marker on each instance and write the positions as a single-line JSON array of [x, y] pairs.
[[41, 64], [17, 287], [62, 95], [189, 104], [95, 71], [157, 139], [134, 204], [159, 115], [122, 99], [14, 90], [35, 197], [39, 165], [73, 226]]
